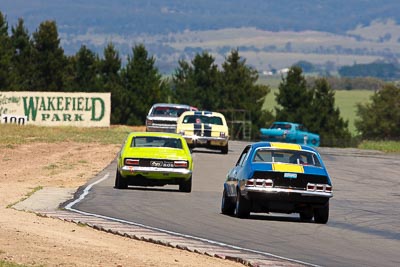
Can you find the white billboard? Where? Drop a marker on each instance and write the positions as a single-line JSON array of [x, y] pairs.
[[56, 109]]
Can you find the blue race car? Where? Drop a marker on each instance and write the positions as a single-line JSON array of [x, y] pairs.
[[289, 132], [278, 177]]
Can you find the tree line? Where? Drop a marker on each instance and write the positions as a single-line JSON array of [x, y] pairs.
[[381, 70], [38, 63]]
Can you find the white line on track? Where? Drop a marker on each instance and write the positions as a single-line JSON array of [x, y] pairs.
[[106, 176]]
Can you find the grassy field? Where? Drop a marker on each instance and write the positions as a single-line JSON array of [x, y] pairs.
[[13, 135], [345, 100], [4, 263], [386, 146]]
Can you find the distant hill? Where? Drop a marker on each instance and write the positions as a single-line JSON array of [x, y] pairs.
[[165, 16], [162, 26]]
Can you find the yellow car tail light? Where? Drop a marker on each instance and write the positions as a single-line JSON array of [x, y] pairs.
[[132, 162], [180, 164]]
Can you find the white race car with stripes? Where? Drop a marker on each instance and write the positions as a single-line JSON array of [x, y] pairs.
[[204, 129]]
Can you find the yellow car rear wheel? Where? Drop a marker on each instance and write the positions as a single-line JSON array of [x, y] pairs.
[[186, 186], [120, 182]]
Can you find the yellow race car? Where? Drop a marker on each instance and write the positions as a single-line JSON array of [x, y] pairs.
[[204, 129], [154, 159]]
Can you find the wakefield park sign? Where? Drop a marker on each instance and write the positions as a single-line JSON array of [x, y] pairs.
[[56, 109]]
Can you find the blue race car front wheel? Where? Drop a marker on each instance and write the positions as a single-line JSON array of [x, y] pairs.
[[227, 206]]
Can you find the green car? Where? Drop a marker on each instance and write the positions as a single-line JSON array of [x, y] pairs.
[[154, 159]]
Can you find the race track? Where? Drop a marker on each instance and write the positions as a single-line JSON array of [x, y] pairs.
[[363, 228]]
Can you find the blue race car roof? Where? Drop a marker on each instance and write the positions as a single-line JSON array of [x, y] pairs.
[[285, 167], [288, 146]]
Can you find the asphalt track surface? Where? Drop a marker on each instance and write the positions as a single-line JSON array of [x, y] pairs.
[[363, 228]]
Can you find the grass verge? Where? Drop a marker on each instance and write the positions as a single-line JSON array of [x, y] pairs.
[[385, 146], [10, 264], [11, 135]]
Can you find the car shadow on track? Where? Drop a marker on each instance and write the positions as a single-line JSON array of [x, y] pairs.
[[206, 151], [277, 218], [151, 188]]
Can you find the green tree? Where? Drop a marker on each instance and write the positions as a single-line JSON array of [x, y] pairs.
[[198, 83], [110, 65], [144, 86], [305, 66], [48, 57], [183, 84], [5, 54], [294, 98], [110, 70], [84, 69], [326, 120], [380, 118], [377, 69], [22, 58], [207, 80], [241, 96]]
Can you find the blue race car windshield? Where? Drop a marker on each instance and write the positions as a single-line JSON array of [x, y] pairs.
[[155, 141], [268, 155]]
